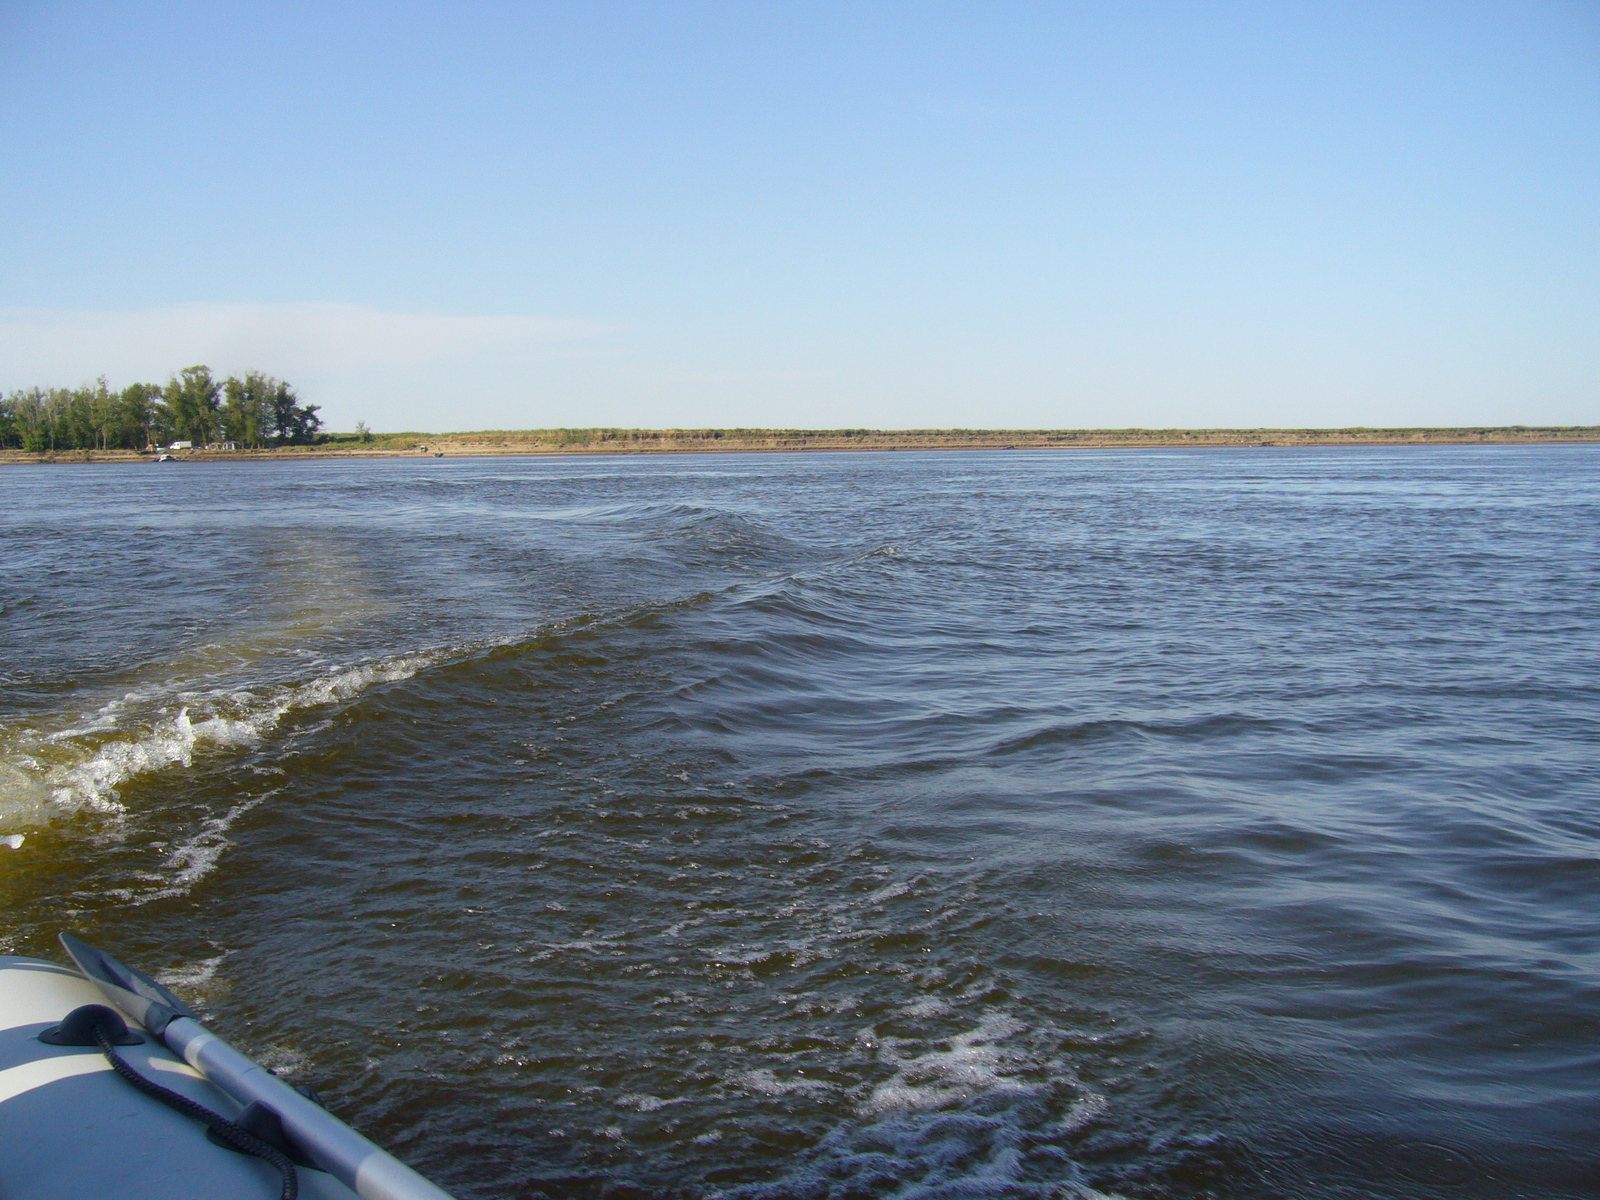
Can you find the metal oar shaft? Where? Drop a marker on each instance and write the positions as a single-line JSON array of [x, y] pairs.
[[371, 1173]]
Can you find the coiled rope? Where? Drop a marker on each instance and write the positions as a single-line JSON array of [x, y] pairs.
[[235, 1136]]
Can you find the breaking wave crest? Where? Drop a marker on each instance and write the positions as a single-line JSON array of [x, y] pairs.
[[47, 776]]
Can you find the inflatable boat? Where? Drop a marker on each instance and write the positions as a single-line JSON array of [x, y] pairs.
[[111, 1087]]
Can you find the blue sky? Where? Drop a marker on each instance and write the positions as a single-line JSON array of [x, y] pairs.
[[897, 215]]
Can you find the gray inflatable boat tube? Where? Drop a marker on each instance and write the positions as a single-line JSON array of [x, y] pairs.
[[69, 1127]]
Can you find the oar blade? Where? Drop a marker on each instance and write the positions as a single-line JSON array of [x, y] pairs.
[[132, 991]]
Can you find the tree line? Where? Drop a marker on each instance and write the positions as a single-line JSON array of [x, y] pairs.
[[257, 410]]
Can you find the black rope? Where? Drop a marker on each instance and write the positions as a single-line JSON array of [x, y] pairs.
[[236, 1136]]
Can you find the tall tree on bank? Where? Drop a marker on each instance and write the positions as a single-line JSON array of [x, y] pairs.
[[143, 417], [258, 409], [293, 423], [246, 408], [193, 398]]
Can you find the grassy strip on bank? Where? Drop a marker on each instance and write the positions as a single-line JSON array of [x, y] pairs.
[[634, 440]]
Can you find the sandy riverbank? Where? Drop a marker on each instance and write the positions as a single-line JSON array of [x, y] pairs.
[[680, 441]]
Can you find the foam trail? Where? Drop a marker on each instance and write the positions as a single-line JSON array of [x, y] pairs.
[[189, 861], [193, 981], [953, 1123]]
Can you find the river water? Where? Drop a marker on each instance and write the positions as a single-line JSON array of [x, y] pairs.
[[1217, 823]]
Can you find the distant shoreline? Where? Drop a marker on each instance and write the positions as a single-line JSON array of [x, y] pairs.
[[732, 441]]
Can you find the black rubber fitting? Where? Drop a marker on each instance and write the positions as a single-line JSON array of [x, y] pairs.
[[81, 1024], [262, 1123]]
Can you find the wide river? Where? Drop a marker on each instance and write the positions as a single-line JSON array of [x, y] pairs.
[[1220, 823]]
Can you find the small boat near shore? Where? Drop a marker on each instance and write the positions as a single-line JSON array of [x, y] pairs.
[[111, 1086]]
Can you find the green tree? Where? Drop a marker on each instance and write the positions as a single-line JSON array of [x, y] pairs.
[[141, 416], [101, 420], [293, 423], [192, 400], [35, 415], [20, 417], [247, 408]]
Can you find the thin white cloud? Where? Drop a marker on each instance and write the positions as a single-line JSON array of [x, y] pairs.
[[298, 341]]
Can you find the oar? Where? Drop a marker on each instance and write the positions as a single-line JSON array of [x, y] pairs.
[[336, 1148]]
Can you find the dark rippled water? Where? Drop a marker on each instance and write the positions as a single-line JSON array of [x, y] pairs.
[[1221, 823]]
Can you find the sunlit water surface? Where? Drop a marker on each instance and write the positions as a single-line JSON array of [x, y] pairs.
[[1035, 825]]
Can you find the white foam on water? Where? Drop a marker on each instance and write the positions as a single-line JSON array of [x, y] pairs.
[[986, 1137], [766, 1083], [596, 946], [92, 784], [973, 1064], [643, 1102], [979, 1114], [195, 977], [187, 863], [282, 1060], [194, 982], [47, 775], [24, 800]]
